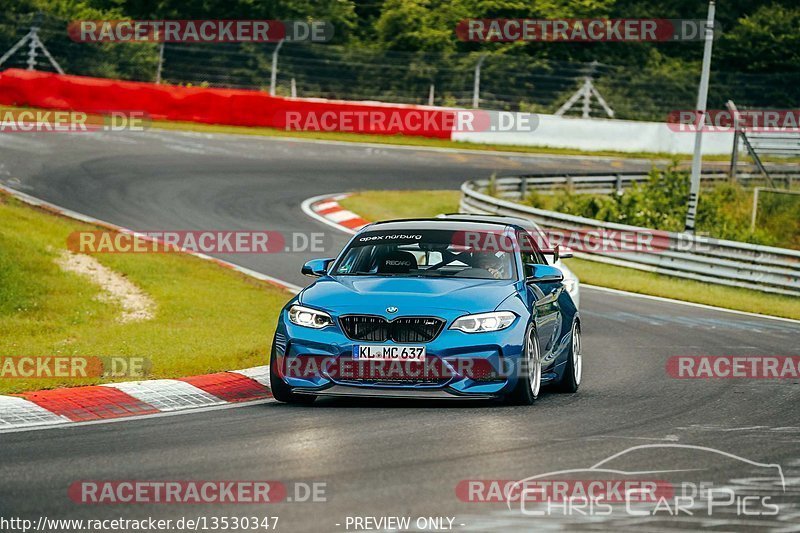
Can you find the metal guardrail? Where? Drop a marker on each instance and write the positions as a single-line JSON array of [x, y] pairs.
[[775, 143], [608, 182], [723, 262]]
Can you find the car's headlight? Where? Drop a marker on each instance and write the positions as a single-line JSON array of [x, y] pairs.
[[310, 318], [484, 322]]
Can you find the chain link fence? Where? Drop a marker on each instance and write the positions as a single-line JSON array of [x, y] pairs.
[[507, 82]]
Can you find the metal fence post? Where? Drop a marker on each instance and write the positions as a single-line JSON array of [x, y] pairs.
[[274, 73], [476, 88], [755, 209], [523, 188], [160, 62], [735, 154]]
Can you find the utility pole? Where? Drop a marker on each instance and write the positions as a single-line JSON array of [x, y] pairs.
[[476, 89], [160, 62], [431, 93], [702, 97], [274, 74]]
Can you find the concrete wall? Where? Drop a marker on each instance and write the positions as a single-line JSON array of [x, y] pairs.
[[600, 134]]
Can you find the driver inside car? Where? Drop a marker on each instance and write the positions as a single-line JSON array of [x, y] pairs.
[[490, 262]]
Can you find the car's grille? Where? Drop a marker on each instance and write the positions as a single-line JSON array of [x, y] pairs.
[[402, 329], [365, 327], [415, 329]]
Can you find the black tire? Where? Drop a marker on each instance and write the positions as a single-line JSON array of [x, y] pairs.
[[524, 393], [573, 369], [283, 392]]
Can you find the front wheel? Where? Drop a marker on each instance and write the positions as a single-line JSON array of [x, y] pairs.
[[283, 392], [573, 369], [529, 382]]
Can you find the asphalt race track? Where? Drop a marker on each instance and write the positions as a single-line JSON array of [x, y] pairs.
[[394, 458]]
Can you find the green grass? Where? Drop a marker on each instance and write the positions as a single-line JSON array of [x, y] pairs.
[[208, 318], [386, 205], [628, 279], [382, 205]]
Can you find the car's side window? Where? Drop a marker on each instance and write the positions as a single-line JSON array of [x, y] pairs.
[[529, 251]]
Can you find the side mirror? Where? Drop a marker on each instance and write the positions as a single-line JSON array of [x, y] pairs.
[[557, 253], [543, 274], [316, 267], [565, 253]]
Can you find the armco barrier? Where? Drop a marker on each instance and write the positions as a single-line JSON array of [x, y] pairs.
[[235, 107], [608, 182], [736, 264]]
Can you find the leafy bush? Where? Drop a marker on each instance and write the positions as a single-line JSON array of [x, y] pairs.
[[724, 209]]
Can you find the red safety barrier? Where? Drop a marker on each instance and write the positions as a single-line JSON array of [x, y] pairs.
[[219, 106]]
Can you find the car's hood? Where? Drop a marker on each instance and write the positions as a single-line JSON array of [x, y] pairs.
[[374, 294]]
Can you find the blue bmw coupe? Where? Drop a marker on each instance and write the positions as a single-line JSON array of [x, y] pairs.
[[430, 308]]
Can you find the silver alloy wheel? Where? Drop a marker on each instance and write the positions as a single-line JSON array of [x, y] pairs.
[[577, 358], [534, 364]]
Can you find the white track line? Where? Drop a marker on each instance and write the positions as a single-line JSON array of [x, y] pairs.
[[691, 304]]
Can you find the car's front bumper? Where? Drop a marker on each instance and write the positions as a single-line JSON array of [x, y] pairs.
[[453, 350], [393, 393]]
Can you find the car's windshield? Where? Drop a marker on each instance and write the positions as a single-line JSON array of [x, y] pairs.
[[430, 253]]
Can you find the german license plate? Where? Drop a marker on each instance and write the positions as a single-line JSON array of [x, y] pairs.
[[388, 353]]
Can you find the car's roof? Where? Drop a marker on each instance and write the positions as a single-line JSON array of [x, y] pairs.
[[436, 223]]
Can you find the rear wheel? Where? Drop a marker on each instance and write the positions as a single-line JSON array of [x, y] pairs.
[[529, 382], [573, 370], [283, 392]]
